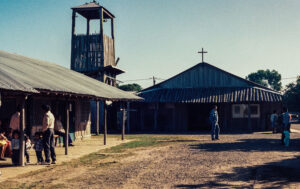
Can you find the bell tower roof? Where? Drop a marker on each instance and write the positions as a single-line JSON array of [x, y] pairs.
[[91, 11]]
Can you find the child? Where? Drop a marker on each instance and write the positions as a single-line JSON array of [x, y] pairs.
[[15, 145], [27, 148], [9, 134], [38, 147], [4, 144]]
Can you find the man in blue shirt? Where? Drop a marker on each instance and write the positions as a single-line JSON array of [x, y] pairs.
[[214, 118]]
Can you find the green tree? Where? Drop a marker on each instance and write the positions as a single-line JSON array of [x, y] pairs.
[[266, 78], [131, 87], [291, 96]]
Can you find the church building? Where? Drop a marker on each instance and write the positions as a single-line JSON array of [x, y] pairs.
[[182, 103]]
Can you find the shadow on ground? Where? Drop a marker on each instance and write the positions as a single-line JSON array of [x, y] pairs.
[[269, 175], [208, 185], [248, 145]]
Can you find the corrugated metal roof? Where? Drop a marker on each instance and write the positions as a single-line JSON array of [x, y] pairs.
[[19, 73], [92, 4], [208, 80], [87, 7], [211, 95]]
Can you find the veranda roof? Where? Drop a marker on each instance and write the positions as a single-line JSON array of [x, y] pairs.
[[23, 74], [211, 95]]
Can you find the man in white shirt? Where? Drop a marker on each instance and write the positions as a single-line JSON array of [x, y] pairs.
[[48, 134]]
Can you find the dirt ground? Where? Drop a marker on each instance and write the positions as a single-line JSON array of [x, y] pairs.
[[81, 148], [236, 161]]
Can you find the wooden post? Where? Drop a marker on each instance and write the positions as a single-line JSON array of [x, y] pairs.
[[226, 112], [105, 123], [128, 117], [113, 34], [249, 117], [72, 40], [173, 127], [155, 116], [142, 118], [263, 114], [101, 37], [67, 128], [22, 127], [97, 118], [87, 42], [112, 29], [123, 122]]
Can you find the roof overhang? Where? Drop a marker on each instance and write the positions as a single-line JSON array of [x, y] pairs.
[[91, 11], [211, 95]]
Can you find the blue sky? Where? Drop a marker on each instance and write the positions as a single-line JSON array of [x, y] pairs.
[[161, 37]]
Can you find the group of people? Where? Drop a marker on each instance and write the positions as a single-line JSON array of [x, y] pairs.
[[43, 141], [282, 123]]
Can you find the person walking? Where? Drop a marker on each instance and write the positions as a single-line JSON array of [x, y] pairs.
[[214, 118], [273, 119], [48, 134]]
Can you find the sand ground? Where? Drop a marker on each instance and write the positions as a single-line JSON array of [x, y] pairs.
[[81, 148], [255, 160]]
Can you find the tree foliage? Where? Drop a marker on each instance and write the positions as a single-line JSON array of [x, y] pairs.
[[292, 95], [266, 78], [131, 87]]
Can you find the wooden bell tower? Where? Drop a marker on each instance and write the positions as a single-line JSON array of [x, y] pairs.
[[94, 54]]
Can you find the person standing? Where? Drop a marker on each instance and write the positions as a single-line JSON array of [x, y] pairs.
[[15, 146], [48, 134], [285, 123], [274, 118], [214, 118], [27, 148], [38, 147], [15, 120]]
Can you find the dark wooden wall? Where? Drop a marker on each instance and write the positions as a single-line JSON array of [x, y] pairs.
[[91, 61], [177, 118]]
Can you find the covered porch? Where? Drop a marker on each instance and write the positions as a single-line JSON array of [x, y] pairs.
[[30, 83], [81, 148]]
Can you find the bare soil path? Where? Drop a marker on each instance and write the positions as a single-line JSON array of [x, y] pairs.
[[236, 161]]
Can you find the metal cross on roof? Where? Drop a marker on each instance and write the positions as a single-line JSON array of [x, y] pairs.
[[202, 52]]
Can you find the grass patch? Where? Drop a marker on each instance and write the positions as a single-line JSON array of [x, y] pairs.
[[146, 141]]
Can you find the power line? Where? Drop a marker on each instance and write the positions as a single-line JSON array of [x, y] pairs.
[[143, 79], [137, 80], [289, 78]]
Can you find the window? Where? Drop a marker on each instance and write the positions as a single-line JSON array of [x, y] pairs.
[[237, 109], [241, 111], [254, 108]]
